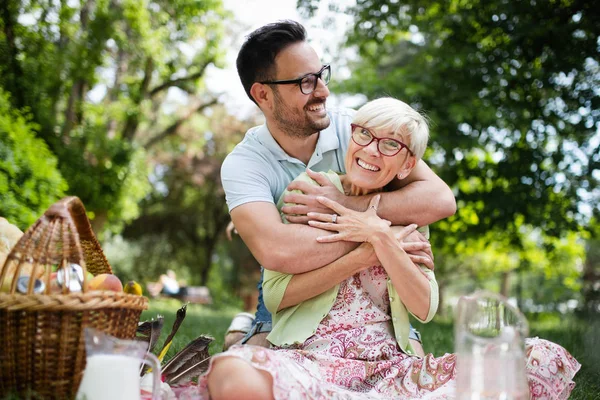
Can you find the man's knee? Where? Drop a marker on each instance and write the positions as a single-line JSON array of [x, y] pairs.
[[259, 339], [241, 324], [232, 338]]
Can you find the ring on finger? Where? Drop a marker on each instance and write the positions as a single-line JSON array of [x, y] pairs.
[[334, 218]]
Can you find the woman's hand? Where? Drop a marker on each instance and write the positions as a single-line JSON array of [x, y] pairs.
[[352, 226]]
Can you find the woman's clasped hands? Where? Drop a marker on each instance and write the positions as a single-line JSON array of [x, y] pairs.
[[354, 226]]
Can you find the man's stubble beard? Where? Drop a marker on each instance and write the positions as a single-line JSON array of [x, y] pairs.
[[293, 123]]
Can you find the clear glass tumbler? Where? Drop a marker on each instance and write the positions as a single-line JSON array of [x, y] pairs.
[[489, 341]]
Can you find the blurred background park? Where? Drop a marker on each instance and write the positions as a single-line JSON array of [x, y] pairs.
[[132, 106]]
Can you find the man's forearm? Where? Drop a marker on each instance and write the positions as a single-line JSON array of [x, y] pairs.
[[302, 253], [418, 203], [307, 285], [287, 248]]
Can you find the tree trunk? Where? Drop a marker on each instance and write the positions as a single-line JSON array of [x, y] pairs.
[[100, 218], [209, 249], [133, 120], [441, 309], [73, 112], [505, 285], [591, 277], [173, 128], [220, 222], [121, 67], [519, 286], [14, 67]]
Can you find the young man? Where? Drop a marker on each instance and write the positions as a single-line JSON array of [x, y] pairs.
[[283, 75]]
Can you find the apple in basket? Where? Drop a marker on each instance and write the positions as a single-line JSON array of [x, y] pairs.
[[105, 282]]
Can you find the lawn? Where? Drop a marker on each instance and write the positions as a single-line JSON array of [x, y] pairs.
[[199, 320], [580, 337]]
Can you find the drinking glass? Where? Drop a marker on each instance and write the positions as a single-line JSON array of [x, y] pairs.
[[489, 340]]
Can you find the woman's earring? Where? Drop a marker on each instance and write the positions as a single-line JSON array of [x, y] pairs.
[[400, 176]]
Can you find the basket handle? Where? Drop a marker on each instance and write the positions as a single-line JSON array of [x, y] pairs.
[[95, 261], [43, 244]]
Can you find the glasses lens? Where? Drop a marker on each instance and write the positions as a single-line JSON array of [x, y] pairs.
[[361, 136], [389, 147], [326, 74], [308, 84]]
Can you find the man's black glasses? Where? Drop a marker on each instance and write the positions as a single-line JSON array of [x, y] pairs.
[[307, 83]]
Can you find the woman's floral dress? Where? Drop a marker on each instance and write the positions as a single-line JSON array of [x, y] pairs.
[[353, 355]]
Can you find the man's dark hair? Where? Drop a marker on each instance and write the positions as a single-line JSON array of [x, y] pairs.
[[256, 59]]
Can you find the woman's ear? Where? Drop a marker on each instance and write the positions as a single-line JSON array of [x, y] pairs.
[[261, 94], [408, 166]]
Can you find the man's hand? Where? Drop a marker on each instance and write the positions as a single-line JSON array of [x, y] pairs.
[[416, 246], [419, 251], [306, 201]]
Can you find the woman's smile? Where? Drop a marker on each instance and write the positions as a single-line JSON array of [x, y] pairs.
[[364, 165]]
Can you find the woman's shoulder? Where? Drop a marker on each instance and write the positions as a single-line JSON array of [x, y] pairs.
[[331, 175]]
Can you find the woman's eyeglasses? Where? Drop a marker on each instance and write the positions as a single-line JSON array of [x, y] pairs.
[[307, 83], [388, 147]]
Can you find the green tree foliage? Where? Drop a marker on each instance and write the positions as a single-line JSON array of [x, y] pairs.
[[542, 270], [184, 219], [512, 90], [95, 75], [29, 178], [511, 87]]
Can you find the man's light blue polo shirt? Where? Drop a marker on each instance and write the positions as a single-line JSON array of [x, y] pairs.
[[259, 170]]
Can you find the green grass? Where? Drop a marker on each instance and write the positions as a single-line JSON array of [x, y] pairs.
[[199, 320], [580, 337]]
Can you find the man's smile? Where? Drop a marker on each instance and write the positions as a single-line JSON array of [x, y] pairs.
[[316, 107]]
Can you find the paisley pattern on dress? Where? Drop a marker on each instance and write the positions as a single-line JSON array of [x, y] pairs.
[[550, 369], [354, 355]]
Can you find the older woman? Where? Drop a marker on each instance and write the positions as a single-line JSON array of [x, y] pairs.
[[350, 340]]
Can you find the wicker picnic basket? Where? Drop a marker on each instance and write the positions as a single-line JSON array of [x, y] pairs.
[[42, 350]]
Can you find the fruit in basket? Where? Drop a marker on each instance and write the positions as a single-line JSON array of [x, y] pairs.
[[132, 287], [54, 285], [106, 282]]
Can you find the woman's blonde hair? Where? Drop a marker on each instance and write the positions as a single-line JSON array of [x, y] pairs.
[[395, 116]]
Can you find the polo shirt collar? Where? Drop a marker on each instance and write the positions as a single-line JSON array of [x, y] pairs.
[[328, 141], [266, 139]]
